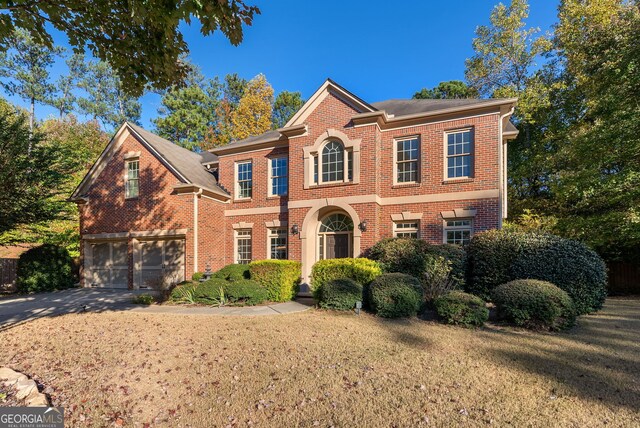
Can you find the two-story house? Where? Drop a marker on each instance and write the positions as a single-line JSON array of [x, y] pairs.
[[341, 175]]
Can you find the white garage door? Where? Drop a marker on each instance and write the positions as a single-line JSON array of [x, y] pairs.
[[109, 265], [161, 263]]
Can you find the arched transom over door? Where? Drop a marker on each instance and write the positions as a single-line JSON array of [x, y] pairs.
[[335, 237]]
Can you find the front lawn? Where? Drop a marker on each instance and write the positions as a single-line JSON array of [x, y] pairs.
[[325, 369]]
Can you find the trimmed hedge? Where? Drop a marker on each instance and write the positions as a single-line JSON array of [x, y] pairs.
[[279, 277], [457, 307], [416, 257], [234, 272], [44, 268], [341, 294], [240, 292], [534, 304], [499, 256], [360, 270], [394, 295]]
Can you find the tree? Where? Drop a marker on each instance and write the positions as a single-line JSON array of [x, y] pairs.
[[253, 114], [25, 176], [27, 64], [453, 89], [189, 113], [141, 41], [285, 106], [105, 98], [65, 99]]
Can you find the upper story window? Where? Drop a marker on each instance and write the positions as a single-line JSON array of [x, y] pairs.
[[459, 146], [406, 229], [407, 159], [457, 231], [132, 180], [278, 172], [333, 162], [244, 180]]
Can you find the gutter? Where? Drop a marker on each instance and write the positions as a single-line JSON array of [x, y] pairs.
[[502, 167]]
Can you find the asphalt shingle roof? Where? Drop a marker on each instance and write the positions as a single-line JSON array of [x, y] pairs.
[[405, 107], [186, 162]]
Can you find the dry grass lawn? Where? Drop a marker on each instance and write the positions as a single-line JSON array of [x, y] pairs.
[[327, 369]]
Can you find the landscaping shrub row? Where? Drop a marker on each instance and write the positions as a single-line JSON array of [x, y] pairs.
[[45, 268]]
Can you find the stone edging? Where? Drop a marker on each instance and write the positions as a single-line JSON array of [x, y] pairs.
[[26, 388]]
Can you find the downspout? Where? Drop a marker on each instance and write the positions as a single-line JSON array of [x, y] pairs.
[[502, 167], [196, 196]]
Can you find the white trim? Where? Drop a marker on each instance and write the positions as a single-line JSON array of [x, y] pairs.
[[236, 183], [242, 225], [406, 216], [458, 213], [269, 237], [396, 140], [235, 242], [445, 150], [270, 176], [415, 230], [253, 211], [426, 122], [446, 228]]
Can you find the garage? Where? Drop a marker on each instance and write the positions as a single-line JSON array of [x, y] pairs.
[[108, 264], [158, 262]]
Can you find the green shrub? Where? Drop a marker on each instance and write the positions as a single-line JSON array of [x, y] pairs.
[[437, 280], [235, 272], [417, 257], [218, 291], [500, 256], [44, 268], [184, 293], [457, 307], [361, 270], [279, 277], [534, 304], [341, 294], [143, 299], [394, 295], [197, 276]]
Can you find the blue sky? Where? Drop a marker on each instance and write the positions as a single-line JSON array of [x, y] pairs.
[[376, 49]]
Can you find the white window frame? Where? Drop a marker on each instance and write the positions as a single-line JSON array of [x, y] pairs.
[[271, 177], [237, 181], [447, 228], [127, 179], [471, 154], [242, 234], [347, 166], [275, 233], [396, 163], [397, 231]]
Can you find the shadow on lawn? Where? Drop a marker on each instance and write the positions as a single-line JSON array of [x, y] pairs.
[[598, 360], [400, 330]]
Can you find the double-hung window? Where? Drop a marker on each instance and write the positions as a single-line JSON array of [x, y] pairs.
[[278, 172], [459, 154], [244, 180], [278, 243], [333, 162], [406, 229], [243, 246], [132, 181], [457, 231], [407, 159]]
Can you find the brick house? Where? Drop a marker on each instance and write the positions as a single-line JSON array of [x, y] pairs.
[[341, 175]]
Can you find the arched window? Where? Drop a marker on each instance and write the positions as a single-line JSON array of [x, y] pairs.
[[336, 223], [333, 162]]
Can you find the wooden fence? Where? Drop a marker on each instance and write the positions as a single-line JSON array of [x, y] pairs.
[[8, 272], [624, 278]]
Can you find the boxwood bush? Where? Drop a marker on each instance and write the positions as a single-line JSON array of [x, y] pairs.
[[44, 268], [500, 256], [279, 277], [534, 304], [457, 307], [341, 294], [234, 272], [394, 295], [240, 292], [361, 270], [417, 257]]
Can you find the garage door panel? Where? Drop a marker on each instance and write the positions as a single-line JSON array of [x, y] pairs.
[[109, 264], [174, 253], [161, 263], [120, 254], [101, 255], [151, 253], [99, 277]]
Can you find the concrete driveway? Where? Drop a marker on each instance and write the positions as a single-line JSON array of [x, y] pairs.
[[19, 309]]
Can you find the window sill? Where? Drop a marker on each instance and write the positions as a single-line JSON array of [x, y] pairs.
[[239, 201], [458, 180], [271, 197], [333, 184], [403, 185]]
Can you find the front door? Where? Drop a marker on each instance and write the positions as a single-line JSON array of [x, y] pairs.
[[337, 246]]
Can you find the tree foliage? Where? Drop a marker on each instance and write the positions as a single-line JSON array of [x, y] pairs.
[[285, 106], [453, 89], [253, 114], [140, 39]]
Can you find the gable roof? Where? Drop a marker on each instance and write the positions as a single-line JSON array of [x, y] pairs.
[[185, 164]]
